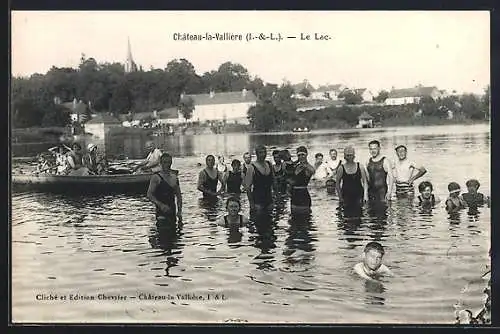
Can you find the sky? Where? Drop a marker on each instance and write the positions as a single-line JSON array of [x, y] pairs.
[[374, 50]]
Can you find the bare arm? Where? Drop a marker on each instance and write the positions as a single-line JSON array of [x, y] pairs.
[[248, 183], [340, 172], [178, 194], [420, 172], [364, 181], [222, 178], [390, 177]]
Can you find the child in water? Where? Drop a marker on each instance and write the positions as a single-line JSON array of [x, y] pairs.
[[426, 199], [234, 178], [455, 202], [372, 266], [233, 219], [473, 198]]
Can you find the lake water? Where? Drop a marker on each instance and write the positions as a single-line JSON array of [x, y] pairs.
[[297, 271]]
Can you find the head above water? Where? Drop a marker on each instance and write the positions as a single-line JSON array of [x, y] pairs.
[[277, 156], [453, 188], [91, 147], [247, 157], [425, 188], [261, 152], [302, 153], [472, 185], [236, 164], [372, 255], [285, 155], [210, 161], [401, 152], [374, 148], [349, 153], [233, 205], [166, 161], [333, 154]]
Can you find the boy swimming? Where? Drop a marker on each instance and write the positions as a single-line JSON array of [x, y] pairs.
[[472, 197], [372, 266], [455, 202]]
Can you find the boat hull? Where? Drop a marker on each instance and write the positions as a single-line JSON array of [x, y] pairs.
[[92, 184]]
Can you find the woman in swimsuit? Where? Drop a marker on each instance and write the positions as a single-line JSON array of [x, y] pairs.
[[163, 191], [426, 199], [259, 181], [300, 199], [233, 219], [209, 178]]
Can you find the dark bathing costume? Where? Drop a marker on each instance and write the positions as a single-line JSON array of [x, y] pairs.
[[473, 201], [262, 185], [210, 184], [226, 223], [280, 176], [300, 194], [427, 203], [165, 193], [352, 189], [377, 185], [234, 181]]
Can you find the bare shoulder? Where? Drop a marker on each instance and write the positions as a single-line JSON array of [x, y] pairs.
[[385, 270]]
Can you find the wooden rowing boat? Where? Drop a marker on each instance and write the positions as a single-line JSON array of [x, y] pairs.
[[100, 184]]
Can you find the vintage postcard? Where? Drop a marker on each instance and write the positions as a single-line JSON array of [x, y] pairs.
[[250, 167]]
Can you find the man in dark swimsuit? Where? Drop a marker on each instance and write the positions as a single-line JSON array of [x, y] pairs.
[[380, 179], [163, 191], [259, 181], [352, 184], [209, 178], [234, 178]]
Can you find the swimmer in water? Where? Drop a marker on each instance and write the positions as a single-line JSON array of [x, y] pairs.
[[233, 219], [455, 202], [472, 197], [426, 199], [372, 266]]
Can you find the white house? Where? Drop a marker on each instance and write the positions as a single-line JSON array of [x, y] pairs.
[[411, 95], [231, 107], [328, 92], [365, 94]]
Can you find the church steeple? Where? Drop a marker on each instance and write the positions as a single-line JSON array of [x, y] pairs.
[[130, 65]]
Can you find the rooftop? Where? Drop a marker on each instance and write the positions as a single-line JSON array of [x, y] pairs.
[[222, 98], [411, 92]]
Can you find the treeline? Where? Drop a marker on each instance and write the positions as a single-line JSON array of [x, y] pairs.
[[106, 87], [278, 112]]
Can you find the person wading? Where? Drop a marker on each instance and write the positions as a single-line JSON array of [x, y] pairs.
[[300, 199], [163, 191], [352, 184], [406, 172], [208, 179], [259, 181], [380, 177]]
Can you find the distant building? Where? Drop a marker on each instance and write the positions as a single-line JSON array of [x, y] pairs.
[[130, 65], [76, 109], [328, 92], [411, 95], [231, 107], [298, 88], [307, 105], [101, 123], [365, 120], [365, 94], [164, 116]]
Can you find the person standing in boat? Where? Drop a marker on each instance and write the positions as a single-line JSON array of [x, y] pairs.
[[165, 193], [300, 200], [75, 161], [209, 178], [95, 164], [380, 179], [352, 184], [259, 181], [152, 162]]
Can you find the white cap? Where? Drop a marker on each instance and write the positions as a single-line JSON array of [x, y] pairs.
[[91, 146]]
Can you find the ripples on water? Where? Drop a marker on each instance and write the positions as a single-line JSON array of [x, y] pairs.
[[297, 270]]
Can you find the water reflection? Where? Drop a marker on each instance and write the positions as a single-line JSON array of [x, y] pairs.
[[374, 292], [264, 239], [167, 236], [349, 227], [299, 238], [210, 207]]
